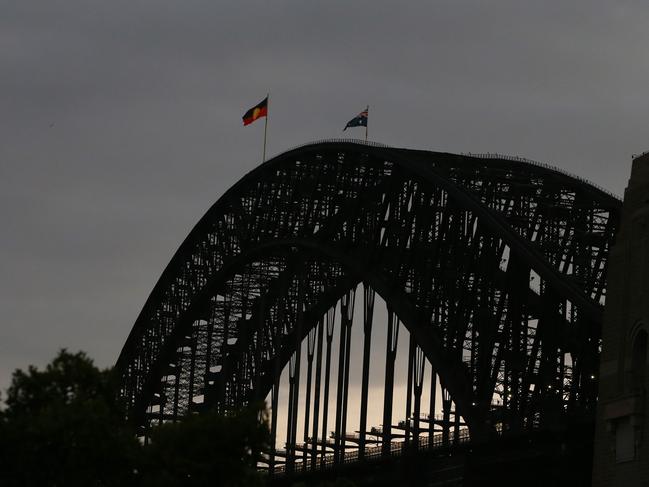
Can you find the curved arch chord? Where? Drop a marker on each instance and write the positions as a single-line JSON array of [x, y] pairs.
[[390, 206]]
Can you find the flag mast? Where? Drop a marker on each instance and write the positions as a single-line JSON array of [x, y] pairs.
[[367, 122], [263, 157]]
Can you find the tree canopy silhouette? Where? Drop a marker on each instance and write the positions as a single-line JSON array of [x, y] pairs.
[[208, 449], [62, 426]]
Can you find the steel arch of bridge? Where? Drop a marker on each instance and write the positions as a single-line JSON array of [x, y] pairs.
[[496, 267]]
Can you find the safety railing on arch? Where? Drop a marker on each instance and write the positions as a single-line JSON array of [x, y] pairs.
[[340, 140], [494, 155], [635, 156], [479, 155]]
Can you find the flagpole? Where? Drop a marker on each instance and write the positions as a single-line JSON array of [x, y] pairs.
[[263, 158], [367, 121]]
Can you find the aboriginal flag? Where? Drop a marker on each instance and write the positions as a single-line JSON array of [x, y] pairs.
[[258, 111], [359, 120]]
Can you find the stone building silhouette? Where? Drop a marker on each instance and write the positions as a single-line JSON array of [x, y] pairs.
[[621, 450]]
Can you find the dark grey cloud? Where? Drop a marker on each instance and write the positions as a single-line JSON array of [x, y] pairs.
[[120, 122]]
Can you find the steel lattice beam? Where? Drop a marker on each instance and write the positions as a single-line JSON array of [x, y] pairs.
[[496, 267]]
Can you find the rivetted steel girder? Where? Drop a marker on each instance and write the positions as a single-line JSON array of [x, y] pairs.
[[450, 242]]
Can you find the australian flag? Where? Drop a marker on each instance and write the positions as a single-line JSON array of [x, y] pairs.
[[359, 120]]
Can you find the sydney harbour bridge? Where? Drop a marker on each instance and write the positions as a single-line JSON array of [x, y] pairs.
[[295, 285]]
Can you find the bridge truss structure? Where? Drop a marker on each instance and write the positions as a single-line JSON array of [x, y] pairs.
[[495, 266]]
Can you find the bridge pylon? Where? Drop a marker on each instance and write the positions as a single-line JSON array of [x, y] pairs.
[[621, 451]]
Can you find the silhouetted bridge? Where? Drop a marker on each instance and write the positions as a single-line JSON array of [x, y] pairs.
[[493, 267]]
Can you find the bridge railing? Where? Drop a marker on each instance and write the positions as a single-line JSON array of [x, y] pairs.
[[397, 448]]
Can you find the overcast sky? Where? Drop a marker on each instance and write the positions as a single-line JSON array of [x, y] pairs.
[[120, 122]]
